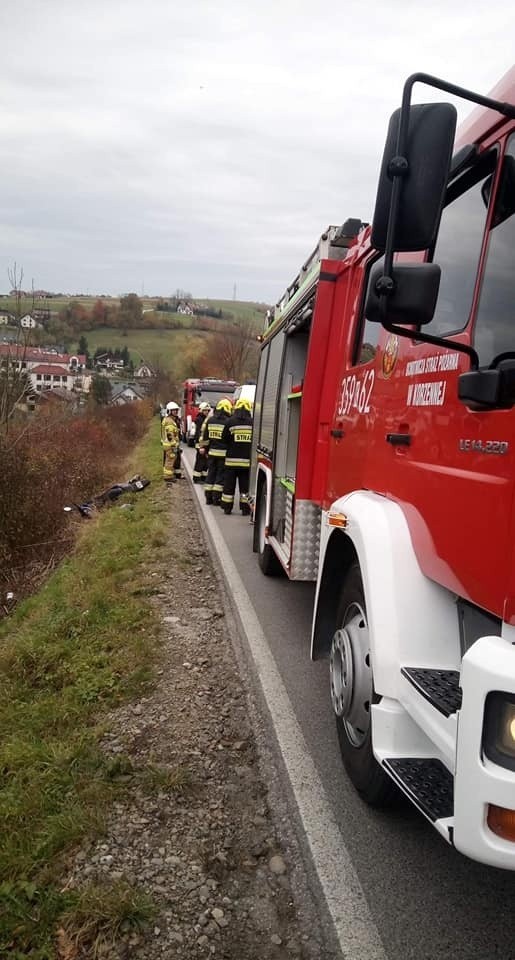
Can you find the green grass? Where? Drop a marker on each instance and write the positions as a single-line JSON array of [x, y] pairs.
[[78, 648], [55, 304], [163, 348], [240, 309], [237, 308], [102, 916]]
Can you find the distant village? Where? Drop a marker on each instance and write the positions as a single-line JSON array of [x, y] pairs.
[[56, 376], [48, 373]]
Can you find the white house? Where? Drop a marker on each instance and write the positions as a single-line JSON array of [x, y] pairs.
[[126, 394], [28, 322], [6, 318], [47, 368], [144, 370], [105, 362], [46, 376], [185, 308]]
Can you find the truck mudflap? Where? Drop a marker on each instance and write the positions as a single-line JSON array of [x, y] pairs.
[[480, 782]]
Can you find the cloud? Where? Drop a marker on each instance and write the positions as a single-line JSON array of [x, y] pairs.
[[201, 145]]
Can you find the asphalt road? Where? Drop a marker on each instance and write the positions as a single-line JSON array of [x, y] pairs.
[[427, 901]]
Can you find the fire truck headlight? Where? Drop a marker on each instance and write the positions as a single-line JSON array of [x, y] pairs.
[[499, 729]]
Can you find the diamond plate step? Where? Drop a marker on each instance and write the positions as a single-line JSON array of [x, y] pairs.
[[427, 783], [440, 687]]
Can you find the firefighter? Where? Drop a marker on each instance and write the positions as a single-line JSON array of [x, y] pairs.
[[200, 467], [212, 445], [237, 438], [170, 437], [177, 464]]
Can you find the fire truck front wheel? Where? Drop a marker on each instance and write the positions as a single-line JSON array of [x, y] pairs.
[[352, 694]]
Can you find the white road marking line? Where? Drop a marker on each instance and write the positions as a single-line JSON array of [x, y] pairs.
[[355, 930]]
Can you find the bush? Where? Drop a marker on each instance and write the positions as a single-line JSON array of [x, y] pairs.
[[54, 461]]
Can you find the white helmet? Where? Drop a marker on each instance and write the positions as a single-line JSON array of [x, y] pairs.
[[172, 407], [204, 406]]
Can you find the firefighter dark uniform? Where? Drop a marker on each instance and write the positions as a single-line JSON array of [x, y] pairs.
[[237, 438], [177, 464], [212, 443], [170, 443], [200, 467]]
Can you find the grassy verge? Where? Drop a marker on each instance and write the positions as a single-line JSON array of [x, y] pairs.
[[82, 645]]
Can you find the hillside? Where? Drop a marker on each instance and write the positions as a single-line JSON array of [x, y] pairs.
[[163, 349], [177, 344], [178, 349], [239, 308], [230, 308]]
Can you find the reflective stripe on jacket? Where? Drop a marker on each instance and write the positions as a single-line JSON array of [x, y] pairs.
[[169, 433], [237, 437], [212, 433]]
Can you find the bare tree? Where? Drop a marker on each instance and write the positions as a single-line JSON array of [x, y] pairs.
[[232, 351], [15, 382], [162, 387]]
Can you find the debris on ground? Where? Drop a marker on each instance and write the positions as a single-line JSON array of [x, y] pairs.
[[114, 492]]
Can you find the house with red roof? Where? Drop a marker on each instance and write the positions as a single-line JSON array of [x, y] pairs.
[[47, 368]]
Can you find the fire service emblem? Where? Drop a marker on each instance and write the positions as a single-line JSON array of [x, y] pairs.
[[391, 351]]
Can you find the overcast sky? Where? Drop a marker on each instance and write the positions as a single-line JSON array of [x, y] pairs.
[[205, 144]]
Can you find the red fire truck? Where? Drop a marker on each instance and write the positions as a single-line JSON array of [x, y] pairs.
[[195, 391], [384, 466]]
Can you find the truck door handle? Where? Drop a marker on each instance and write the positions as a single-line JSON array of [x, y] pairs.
[[399, 439], [338, 434]]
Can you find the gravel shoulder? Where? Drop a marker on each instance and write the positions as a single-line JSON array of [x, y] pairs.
[[213, 845]]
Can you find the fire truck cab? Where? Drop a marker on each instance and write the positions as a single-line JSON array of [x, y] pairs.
[[197, 390], [384, 469]]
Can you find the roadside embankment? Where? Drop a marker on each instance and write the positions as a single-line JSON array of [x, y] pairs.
[[134, 810], [52, 458]]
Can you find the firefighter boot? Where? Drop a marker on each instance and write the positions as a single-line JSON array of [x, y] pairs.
[[209, 497], [227, 509], [245, 510], [216, 499]]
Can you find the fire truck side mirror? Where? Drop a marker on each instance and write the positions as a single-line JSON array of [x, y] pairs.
[[423, 167], [413, 296]]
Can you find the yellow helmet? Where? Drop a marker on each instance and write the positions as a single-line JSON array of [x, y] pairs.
[[243, 405], [224, 404]]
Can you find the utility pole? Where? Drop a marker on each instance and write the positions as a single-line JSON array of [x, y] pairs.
[[234, 292]]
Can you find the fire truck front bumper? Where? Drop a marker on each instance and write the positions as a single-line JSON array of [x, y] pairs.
[[484, 786]]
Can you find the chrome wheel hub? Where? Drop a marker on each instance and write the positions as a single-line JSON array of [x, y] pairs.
[[351, 674]]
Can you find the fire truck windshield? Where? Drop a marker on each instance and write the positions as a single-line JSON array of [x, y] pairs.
[[212, 396]]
